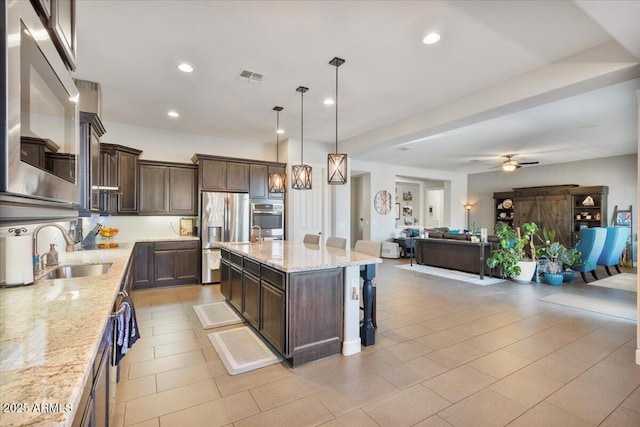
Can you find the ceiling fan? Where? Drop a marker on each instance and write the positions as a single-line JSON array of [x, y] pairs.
[[509, 165]]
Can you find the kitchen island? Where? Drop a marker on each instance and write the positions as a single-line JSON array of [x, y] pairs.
[[304, 299]]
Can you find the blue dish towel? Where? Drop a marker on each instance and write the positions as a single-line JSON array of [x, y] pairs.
[[127, 329]]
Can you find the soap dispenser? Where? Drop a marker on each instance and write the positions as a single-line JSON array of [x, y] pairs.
[[51, 257]]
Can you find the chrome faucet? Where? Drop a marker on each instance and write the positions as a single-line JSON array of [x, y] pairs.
[[37, 263], [255, 238]]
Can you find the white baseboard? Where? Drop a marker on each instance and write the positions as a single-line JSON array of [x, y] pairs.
[[637, 356], [351, 347]]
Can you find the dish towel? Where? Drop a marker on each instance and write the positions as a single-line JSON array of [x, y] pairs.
[[127, 330]]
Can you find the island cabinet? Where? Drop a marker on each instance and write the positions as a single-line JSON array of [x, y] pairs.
[[119, 168], [166, 263], [299, 313], [167, 188]]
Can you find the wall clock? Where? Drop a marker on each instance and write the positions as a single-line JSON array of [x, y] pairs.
[[382, 202]]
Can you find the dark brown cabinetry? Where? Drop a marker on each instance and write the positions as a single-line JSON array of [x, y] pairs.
[[91, 129], [273, 305], [166, 263], [258, 181], [251, 288], [119, 168], [235, 287], [62, 25], [556, 207], [167, 189], [225, 274]]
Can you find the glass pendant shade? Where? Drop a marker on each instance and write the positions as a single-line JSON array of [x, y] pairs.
[[337, 169], [336, 162], [277, 180], [301, 174], [301, 179]]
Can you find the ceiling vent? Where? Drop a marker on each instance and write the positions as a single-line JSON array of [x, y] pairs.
[[250, 76]]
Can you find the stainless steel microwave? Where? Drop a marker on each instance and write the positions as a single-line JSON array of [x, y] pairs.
[[40, 141]]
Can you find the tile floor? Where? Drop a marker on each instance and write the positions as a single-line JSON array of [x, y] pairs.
[[446, 353]]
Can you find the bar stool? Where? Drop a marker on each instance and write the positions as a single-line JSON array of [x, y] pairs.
[[336, 242], [313, 239]]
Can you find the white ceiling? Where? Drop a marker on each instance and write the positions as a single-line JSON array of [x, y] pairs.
[[133, 48]]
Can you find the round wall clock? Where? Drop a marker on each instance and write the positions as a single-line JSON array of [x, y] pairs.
[[382, 202]]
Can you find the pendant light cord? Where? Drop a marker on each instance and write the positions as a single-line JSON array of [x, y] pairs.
[[302, 127], [277, 136], [336, 109]]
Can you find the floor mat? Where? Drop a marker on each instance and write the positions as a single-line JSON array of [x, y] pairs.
[[617, 308], [451, 274], [216, 315], [241, 350], [624, 281]]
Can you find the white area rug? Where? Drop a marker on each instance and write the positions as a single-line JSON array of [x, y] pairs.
[[451, 274], [241, 350], [617, 308], [216, 315], [624, 281]]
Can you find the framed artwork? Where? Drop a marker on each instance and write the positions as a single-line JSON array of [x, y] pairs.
[[186, 226], [623, 218], [407, 196], [407, 211], [397, 210]]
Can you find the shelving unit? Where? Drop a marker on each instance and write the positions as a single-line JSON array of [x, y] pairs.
[[504, 207], [588, 215]]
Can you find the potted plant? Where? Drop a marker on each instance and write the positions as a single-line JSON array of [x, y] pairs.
[[569, 257], [552, 252], [511, 256]]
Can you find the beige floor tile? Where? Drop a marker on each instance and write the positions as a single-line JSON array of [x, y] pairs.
[[479, 410], [346, 397], [218, 412], [411, 372], [547, 415], [433, 421], [173, 327], [406, 407], [455, 355], [166, 402], [532, 348], [189, 375], [131, 389], [473, 329], [280, 392], [589, 349], [441, 339], [520, 330], [150, 367], [559, 367], [526, 387], [149, 423], [459, 383], [615, 377], [355, 418], [117, 418], [399, 353], [407, 333], [151, 341], [138, 354], [500, 363], [210, 354], [397, 322], [164, 350], [307, 411], [233, 384], [490, 341], [149, 323], [586, 400], [633, 401], [622, 417]]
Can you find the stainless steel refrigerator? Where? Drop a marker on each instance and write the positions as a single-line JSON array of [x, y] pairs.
[[225, 218]]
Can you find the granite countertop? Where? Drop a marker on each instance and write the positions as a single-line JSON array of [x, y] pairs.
[[291, 257], [49, 335]]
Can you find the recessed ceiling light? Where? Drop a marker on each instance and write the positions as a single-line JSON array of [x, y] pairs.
[[328, 101], [173, 114], [186, 68], [431, 38], [280, 131]]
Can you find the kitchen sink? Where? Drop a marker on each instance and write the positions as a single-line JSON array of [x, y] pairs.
[[79, 270]]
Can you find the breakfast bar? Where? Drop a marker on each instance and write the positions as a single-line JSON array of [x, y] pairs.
[[304, 299]]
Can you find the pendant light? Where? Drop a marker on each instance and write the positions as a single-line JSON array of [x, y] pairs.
[[301, 173], [277, 180], [337, 163]]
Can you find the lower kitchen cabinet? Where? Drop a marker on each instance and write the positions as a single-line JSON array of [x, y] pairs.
[[166, 263], [272, 302], [225, 278], [235, 284], [251, 288]]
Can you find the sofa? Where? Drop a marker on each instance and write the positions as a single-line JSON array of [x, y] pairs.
[[454, 251]]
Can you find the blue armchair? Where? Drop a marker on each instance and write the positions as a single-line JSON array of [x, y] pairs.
[[590, 246], [613, 247]]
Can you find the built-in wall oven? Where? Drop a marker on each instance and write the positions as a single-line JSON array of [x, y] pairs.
[[39, 144], [270, 218]]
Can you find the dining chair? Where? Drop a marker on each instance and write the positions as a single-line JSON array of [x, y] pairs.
[[314, 239], [590, 246], [613, 246], [336, 242]]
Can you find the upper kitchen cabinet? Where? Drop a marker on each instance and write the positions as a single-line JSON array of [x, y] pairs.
[[258, 181], [119, 170], [62, 25], [220, 174], [167, 189]]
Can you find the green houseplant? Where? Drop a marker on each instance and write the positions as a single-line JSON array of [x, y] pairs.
[[511, 256], [554, 274], [569, 257]]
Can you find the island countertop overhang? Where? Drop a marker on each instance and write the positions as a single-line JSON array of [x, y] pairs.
[[291, 257]]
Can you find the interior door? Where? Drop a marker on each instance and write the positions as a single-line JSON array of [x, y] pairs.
[[550, 211]]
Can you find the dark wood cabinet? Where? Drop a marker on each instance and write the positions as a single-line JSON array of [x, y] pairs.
[[166, 263], [119, 168], [251, 289], [91, 129], [225, 278], [220, 175], [143, 264], [235, 287], [589, 209], [258, 181], [238, 177], [167, 189], [153, 196], [272, 302], [62, 25], [183, 199]]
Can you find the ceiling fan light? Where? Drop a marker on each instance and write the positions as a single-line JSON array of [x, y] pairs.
[[509, 166], [337, 169]]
